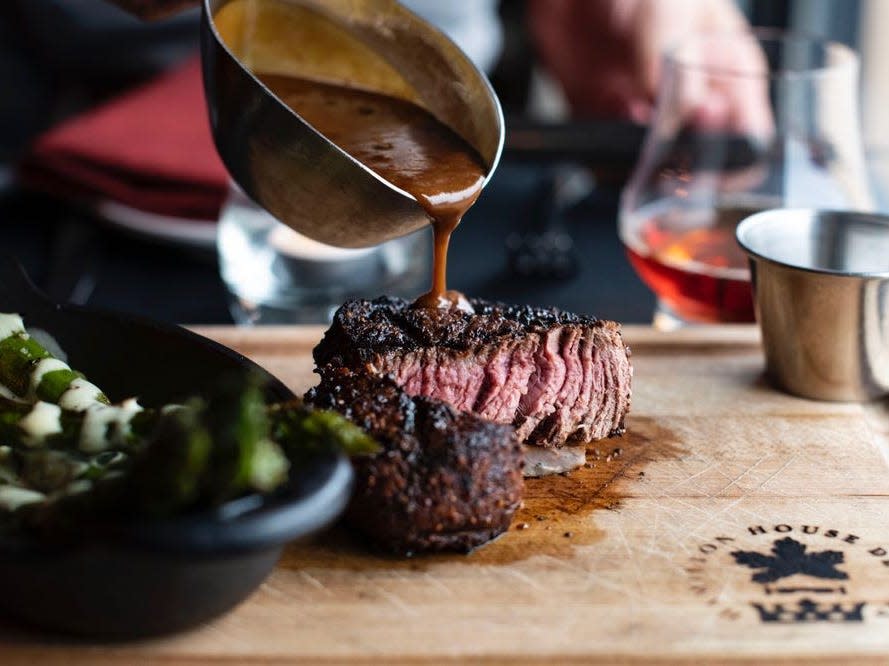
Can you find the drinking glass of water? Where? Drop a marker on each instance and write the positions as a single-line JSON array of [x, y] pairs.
[[743, 122], [276, 275]]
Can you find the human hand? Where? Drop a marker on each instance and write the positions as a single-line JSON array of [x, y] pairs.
[[608, 55]]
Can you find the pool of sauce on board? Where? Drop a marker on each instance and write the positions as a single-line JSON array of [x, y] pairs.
[[556, 516], [407, 146]]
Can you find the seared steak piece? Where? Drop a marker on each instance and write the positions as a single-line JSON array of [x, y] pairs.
[[559, 378], [446, 480]]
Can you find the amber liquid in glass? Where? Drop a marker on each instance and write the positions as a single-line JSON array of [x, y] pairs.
[[691, 260]]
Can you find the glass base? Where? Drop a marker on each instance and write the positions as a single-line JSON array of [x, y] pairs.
[[665, 319], [274, 275], [247, 313]]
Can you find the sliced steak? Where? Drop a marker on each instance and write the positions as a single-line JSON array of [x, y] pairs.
[[446, 480], [558, 378]]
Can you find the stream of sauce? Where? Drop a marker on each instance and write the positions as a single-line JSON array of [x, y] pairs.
[[407, 146]]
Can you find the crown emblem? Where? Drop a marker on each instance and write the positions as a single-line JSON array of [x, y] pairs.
[[809, 611]]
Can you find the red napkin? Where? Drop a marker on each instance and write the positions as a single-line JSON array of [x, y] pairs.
[[150, 148]]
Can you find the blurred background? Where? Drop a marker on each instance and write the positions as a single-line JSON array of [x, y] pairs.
[[80, 80]]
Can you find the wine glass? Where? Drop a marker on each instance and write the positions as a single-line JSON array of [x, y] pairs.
[[743, 122]]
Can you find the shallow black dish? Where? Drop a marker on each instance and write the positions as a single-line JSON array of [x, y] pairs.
[[152, 578]]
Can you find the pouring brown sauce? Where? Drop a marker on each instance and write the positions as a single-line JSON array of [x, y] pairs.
[[407, 146]]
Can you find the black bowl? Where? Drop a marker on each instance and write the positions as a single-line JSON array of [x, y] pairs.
[[155, 577]]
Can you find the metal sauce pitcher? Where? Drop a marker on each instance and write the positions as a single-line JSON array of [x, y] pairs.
[[284, 164]]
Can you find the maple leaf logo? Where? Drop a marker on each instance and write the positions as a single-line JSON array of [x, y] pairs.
[[789, 557]]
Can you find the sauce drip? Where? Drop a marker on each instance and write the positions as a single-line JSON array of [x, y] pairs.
[[407, 146]]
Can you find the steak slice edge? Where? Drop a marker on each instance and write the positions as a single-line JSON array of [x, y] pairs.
[[559, 378]]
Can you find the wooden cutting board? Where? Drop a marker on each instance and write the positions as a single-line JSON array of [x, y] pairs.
[[731, 523]]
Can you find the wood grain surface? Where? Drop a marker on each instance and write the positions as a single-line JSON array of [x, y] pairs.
[[732, 523]]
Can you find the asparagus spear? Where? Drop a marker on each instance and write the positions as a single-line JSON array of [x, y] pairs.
[[199, 456], [58, 451], [305, 432], [178, 467], [50, 453], [45, 425], [251, 447], [61, 441], [208, 453], [30, 372]]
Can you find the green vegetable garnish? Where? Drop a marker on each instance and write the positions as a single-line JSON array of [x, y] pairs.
[[63, 470]]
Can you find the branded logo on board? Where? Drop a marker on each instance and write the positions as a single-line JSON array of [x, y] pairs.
[[790, 574]]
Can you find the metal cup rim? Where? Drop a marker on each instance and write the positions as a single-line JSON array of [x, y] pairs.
[[765, 216]]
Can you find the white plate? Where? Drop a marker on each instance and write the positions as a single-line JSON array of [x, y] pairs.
[[178, 230]]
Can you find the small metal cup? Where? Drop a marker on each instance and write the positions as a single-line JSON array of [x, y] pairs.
[[821, 286]]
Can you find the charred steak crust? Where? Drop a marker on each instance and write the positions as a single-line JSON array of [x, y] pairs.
[[363, 330], [559, 378], [445, 480]]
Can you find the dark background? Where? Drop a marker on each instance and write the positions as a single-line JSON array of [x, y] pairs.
[[76, 257]]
